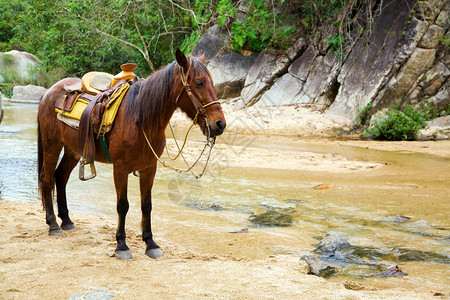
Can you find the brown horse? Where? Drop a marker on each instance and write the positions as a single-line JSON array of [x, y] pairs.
[[146, 109]]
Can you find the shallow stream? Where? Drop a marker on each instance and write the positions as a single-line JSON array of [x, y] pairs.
[[395, 215]]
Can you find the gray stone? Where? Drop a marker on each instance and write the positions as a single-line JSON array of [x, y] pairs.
[[430, 9], [98, 294], [2, 79], [282, 92], [319, 82], [376, 58], [229, 70], [437, 129], [30, 92], [297, 49], [420, 60], [430, 38], [442, 98], [443, 20], [318, 267], [301, 66], [211, 43], [435, 78], [331, 243], [265, 70], [23, 63]]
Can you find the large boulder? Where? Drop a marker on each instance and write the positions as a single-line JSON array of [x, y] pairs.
[[229, 70], [31, 93], [211, 43], [376, 58], [437, 129], [22, 64], [282, 92], [265, 70]]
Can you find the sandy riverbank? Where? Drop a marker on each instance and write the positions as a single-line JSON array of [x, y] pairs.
[[36, 266], [198, 262]]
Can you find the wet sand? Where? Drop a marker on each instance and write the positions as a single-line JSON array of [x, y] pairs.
[[202, 259], [37, 266]]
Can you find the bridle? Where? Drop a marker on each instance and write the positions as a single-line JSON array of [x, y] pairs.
[[200, 110]]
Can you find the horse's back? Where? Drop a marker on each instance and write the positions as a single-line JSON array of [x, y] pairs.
[[55, 92]]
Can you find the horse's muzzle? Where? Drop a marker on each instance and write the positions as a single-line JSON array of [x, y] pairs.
[[216, 128]]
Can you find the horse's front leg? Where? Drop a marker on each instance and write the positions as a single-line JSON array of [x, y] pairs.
[[146, 178], [121, 182]]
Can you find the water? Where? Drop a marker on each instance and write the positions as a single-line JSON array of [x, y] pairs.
[[367, 207]]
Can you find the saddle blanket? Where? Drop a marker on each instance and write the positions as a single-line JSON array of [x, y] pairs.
[[72, 117]]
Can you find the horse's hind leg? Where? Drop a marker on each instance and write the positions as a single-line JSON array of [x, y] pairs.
[[146, 178], [62, 174], [47, 182]]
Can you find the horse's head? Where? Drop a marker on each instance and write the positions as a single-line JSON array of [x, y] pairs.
[[198, 98]]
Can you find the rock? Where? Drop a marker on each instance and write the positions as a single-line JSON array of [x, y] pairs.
[[301, 66], [392, 272], [430, 38], [375, 58], [265, 70], [283, 92], [442, 98], [437, 129], [435, 78], [402, 219], [30, 93], [442, 20], [211, 43], [296, 49], [22, 63], [331, 243], [318, 267], [2, 79], [271, 218], [397, 87], [98, 294], [229, 70]]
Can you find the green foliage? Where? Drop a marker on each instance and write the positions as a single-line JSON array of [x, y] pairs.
[[189, 42], [337, 43], [399, 124], [261, 27], [318, 11], [225, 10], [363, 114], [445, 41]]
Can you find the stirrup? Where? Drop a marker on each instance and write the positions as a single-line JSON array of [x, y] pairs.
[[93, 171]]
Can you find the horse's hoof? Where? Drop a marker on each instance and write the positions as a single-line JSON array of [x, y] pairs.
[[55, 232], [154, 253], [67, 226], [124, 254]]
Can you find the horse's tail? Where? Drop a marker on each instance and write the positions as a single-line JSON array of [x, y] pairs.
[[40, 165]]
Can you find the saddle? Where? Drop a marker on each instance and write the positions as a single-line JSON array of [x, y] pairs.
[[90, 106]]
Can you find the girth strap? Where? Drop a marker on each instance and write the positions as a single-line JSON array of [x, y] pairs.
[[86, 133]]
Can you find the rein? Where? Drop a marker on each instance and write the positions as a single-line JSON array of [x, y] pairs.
[[210, 142]]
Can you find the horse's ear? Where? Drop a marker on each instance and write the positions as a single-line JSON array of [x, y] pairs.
[[181, 59], [202, 58]]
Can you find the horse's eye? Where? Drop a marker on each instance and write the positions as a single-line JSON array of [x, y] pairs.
[[199, 83]]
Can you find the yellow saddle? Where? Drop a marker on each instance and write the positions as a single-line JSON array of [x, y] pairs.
[[81, 93], [96, 82]]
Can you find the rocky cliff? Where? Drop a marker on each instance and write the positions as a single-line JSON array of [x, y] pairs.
[[401, 57]]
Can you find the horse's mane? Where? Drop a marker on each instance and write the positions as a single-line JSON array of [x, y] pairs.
[[148, 99]]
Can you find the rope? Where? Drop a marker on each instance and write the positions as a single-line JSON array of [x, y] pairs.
[[210, 142]]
